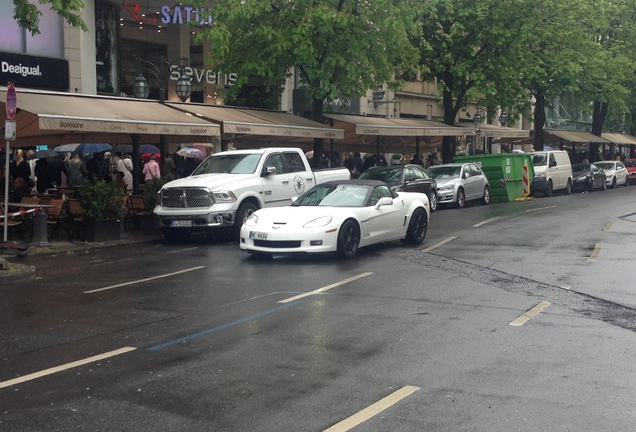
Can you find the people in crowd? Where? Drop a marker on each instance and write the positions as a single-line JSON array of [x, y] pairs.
[[125, 166], [75, 172], [369, 162], [169, 167], [151, 170], [179, 163], [190, 165], [20, 168], [56, 168], [42, 175], [119, 181], [98, 168]]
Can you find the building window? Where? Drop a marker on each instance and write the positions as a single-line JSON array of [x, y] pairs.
[[106, 45], [49, 43]]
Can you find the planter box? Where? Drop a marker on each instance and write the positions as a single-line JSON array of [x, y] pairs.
[[101, 230]]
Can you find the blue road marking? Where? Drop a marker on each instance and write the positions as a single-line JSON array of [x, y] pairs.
[[221, 327]]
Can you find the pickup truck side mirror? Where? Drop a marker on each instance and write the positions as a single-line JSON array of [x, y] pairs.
[[384, 201], [268, 171]]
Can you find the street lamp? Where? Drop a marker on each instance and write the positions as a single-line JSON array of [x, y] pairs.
[[477, 116], [503, 118], [141, 89]]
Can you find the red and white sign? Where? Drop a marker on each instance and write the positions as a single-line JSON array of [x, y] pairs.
[[525, 177], [12, 101]]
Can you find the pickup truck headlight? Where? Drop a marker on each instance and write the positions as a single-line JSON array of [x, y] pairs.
[[251, 221], [223, 196], [320, 222]]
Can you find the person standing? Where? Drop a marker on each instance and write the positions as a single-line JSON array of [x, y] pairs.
[[151, 170], [179, 163], [75, 174], [169, 167], [20, 168], [125, 166]]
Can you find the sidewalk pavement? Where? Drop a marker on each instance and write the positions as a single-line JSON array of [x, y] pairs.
[[12, 270]]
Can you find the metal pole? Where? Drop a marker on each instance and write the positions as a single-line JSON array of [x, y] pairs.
[[6, 192]]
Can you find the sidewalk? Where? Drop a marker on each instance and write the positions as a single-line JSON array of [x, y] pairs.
[[17, 271]]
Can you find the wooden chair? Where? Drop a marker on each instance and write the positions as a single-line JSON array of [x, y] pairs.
[[136, 211], [30, 200], [15, 224], [57, 217], [75, 217]]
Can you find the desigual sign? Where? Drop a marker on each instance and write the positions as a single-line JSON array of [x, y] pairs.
[[34, 72]]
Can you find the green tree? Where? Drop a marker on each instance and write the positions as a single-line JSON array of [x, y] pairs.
[[339, 49], [470, 48], [28, 16]]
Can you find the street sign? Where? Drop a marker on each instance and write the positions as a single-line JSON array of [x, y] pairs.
[[12, 101]]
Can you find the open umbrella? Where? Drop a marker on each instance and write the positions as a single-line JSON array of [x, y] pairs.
[[66, 148], [92, 148], [43, 154], [143, 148], [190, 152]]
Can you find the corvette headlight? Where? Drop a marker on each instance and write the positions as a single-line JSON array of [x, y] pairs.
[[447, 187], [321, 221], [251, 221], [224, 196]]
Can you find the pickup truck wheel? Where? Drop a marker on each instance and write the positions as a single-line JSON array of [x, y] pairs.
[[245, 210], [176, 234], [348, 239], [417, 227]]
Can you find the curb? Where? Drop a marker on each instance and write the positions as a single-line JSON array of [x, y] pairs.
[[16, 272]]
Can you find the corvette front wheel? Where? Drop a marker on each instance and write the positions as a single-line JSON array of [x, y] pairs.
[[348, 239], [417, 227]]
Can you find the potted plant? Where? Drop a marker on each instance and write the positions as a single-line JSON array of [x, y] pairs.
[[102, 209], [150, 223]]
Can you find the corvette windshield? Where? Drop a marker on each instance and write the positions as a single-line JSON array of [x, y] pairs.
[[334, 196], [240, 163]]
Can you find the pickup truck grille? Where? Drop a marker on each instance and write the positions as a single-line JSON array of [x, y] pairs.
[[186, 197]]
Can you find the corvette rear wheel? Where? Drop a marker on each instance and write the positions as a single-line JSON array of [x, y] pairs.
[[417, 227], [348, 239]]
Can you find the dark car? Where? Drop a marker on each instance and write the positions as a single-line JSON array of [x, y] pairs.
[[407, 178], [587, 177]]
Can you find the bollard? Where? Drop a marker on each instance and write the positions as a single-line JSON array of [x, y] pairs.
[[40, 235]]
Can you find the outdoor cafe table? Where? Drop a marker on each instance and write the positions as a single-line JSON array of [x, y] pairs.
[[35, 220]]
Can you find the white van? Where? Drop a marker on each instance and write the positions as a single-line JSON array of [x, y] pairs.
[[552, 172]]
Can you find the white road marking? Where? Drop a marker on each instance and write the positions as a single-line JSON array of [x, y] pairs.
[[323, 289], [486, 221], [608, 226], [143, 280], [597, 251], [373, 410], [540, 208], [183, 250], [567, 287], [442, 243], [66, 366], [530, 314]]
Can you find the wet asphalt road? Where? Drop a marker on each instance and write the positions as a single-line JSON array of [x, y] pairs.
[[201, 337]]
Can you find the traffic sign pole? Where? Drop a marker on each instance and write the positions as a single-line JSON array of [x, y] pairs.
[[12, 106]]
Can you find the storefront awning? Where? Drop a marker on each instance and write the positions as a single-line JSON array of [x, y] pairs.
[[57, 118], [397, 126], [623, 139], [494, 131], [576, 136], [246, 121]]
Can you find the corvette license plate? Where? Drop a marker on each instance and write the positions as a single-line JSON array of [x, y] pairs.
[[181, 223], [258, 235]]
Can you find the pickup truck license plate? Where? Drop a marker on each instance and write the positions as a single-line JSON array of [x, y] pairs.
[[258, 235], [181, 223]]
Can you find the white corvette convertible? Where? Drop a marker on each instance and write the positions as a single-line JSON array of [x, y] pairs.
[[338, 216]]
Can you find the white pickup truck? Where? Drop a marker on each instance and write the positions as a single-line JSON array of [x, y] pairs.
[[229, 186]]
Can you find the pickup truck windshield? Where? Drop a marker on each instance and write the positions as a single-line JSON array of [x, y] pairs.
[[244, 163]]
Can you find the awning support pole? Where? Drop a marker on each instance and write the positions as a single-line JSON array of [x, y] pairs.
[[135, 160]]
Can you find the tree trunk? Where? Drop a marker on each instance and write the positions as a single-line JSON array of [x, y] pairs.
[[598, 119], [448, 142], [539, 119], [316, 114]]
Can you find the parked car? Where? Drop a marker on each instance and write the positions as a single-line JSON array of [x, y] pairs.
[[615, 172], [552, 172], [338, 216], [630, 166], [588, 177], [460, 182], [407, 178]]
